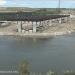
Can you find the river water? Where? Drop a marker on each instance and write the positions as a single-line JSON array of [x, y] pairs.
[[56, 53]]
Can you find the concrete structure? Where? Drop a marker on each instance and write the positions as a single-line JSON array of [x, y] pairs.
[[33, 23], [43, 25]]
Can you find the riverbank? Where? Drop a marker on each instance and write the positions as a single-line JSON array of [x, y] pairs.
[[54, 30], [35, 35]]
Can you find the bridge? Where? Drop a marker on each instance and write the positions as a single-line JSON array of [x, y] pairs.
[[32, 23]]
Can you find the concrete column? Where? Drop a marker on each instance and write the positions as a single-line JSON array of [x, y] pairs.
[[50, 22], [68, 19], [42, 23], [34, 27], [26, 25], [30, 25], [17, 22], [60, 20], [57, 20], [38, 24], [45, 24], [20, 26]]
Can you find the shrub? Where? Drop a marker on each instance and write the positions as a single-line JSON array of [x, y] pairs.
[[24, 68]]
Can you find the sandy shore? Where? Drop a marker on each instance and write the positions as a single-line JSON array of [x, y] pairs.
[[36, 35], [57, 29]]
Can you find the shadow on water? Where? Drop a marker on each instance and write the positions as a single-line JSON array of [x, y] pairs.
[[33, 39]]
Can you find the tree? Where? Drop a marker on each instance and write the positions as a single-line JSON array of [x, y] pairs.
[[51, 73], [24, 68], [69, 73]]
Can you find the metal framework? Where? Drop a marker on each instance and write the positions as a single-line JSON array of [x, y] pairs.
[[27, 17]]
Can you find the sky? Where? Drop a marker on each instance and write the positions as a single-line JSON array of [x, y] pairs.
[[38, 3]]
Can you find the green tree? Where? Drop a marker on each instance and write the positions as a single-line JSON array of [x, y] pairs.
[[69, 73], [24, 68], [51, 73]]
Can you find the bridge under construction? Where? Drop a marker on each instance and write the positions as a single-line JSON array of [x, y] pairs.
[[26, 22]]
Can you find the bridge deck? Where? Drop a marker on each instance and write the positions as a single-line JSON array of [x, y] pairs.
[[27, 17]]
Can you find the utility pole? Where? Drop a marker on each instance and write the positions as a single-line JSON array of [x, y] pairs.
[[59, 2]]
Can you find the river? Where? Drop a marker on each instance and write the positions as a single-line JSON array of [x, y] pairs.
[[56, 53]]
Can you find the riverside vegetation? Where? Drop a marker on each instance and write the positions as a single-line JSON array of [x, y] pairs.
[[24, 70]]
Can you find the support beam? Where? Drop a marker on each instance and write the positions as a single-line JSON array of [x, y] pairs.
[[43, 24], [50, 22], [20, 26], [68, 19], [42, 27], [38, 24], [34, 26], [60, 20], [17, 22], [47, 23]]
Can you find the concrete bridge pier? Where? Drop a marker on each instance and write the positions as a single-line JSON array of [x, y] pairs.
[[44, 25], [60, 20], [20, 26], [17, 22], [50, 22], [34, 24], [68, 19], [38, 24], [47, 23], [41, 25]]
